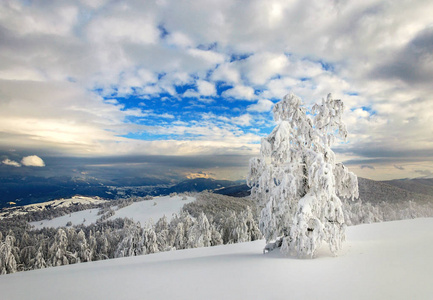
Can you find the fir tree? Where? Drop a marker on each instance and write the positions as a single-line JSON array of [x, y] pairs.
[[8, 263]]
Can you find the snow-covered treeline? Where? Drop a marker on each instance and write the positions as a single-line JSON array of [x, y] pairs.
[[201, 224], [359, 212]]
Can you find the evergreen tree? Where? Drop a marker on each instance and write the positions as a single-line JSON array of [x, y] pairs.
[[84, 253], [216, 237], [200, 234], [252, 230], [8, 263], [149, 240], [58, 251], [162, 234], [39, 261], [132, 243], [179, 238]]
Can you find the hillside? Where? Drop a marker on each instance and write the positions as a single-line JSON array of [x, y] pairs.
[[378, 191], [419, 190], [142, 211], [417, 185], [378, 261], [59, 203]]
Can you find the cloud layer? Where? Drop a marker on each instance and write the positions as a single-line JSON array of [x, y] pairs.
[[27, 161], [168, 77]]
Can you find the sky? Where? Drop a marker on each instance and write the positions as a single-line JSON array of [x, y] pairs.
[[189, 85]]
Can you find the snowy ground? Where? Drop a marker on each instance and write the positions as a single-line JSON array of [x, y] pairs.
[[392, 260], [142, 211]]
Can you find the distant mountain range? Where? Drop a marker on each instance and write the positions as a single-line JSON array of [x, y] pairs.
[[28, 190]]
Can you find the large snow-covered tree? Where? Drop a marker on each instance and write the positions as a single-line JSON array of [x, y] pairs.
[[297, 182]]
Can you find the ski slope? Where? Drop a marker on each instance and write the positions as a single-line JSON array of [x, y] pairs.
[[392, 260], [143, 211]]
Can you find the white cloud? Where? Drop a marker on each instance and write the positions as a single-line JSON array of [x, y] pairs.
[[123, 28], [12, 163], [261, 67], [241, 92], [243, 120], [179, 39], [27, 20], [32, 161], [210, 57], [59, 115], [191, 94], [227, 73], [263, 105], [205, 88]]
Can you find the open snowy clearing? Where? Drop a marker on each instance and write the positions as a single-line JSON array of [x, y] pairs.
[[154, 209], [85, 217], [142, 211], [390, 260]]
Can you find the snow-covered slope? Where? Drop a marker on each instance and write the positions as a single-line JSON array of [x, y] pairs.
[[85, 217], [22, 210], [390, 260], [154, 209], [142, 211]]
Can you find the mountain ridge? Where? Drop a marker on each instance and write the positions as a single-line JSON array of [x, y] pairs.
[[30, 190]]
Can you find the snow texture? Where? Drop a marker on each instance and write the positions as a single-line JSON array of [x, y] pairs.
[[390, 260]]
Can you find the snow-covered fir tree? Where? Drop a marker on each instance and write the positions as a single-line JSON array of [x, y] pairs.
[[8, 262], [58, 251], [132, 243], [200, 234], [162, 234], [149, 239], [39, 261], [297, 182]]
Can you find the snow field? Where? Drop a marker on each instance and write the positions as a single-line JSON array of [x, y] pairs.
[[85, 217], [391, 260], [142, 211]]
